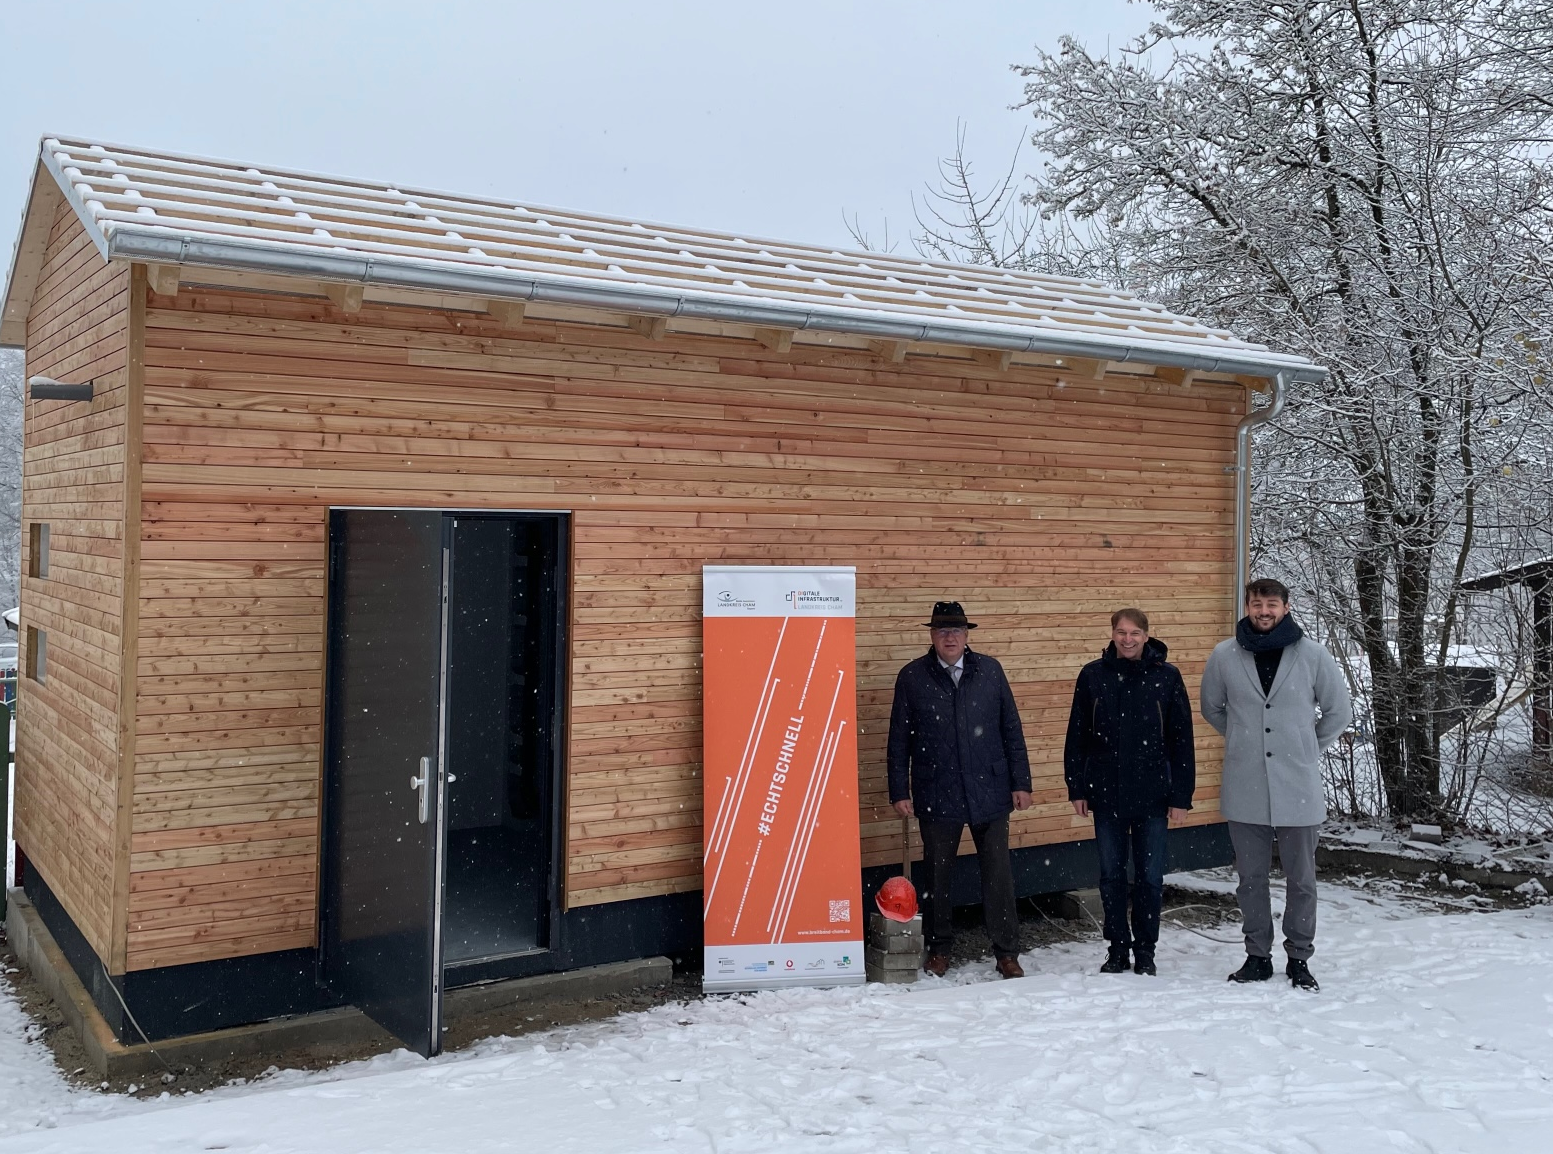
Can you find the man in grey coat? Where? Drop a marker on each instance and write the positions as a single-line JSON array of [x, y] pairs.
[[1280, 700]]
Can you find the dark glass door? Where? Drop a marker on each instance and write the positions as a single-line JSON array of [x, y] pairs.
[[385, 769]]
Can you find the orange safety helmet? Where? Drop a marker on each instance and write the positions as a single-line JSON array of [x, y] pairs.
[[897, 899]]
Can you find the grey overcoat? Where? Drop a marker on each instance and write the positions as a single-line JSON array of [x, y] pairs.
[[1273, 743]]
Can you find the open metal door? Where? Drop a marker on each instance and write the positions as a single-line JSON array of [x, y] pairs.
[[385, 769]]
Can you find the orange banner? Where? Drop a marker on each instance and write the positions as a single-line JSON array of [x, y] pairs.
[[783, 868]]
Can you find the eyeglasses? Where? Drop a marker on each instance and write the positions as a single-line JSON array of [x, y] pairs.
[[949, 631]]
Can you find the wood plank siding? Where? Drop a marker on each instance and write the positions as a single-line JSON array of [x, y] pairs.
[[68, 812], [1041, 501]]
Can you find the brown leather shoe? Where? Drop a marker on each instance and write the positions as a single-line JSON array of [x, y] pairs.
[[1009, 968], [936, 964]]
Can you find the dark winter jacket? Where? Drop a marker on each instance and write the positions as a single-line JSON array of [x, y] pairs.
[[1129, 750], [957, 752]]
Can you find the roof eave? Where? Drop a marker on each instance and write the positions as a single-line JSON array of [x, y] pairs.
[[1531, 571], [166, 248], [43, 196]]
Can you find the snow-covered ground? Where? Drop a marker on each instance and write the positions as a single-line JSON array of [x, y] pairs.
[[1433, 1032]]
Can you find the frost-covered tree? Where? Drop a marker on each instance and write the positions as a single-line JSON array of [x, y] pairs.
[[1365, 182]]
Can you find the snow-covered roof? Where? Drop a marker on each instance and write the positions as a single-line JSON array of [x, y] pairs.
[[161, 207], [1527, 573]]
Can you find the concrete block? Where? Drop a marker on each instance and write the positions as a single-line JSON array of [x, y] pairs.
[[879, 960], [880, 927], [891, 977], [903, 944], [1080, 905], [1428, 833]]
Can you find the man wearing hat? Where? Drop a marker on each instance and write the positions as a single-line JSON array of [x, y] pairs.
[[956, 758]]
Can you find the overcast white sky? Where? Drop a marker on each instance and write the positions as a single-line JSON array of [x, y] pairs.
[[772, 121]]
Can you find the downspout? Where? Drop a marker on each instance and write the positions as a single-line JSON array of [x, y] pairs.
[[1243, 487]]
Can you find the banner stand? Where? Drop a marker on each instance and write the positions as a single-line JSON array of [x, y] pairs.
[[782, 862]]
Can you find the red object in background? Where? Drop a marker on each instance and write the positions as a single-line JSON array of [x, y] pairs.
[[897, 900]]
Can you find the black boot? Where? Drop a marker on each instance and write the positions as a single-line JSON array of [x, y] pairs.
[[1255, 970], [1143, 959], [1300, 976], [1116, 961]]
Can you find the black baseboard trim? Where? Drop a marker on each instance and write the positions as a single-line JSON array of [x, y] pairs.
[[83, 959], [1068, 865], [172, 1001], [595, 935]]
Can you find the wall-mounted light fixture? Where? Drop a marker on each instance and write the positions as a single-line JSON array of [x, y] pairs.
[[48, 389]]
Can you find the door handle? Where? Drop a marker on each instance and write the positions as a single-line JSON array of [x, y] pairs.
[[423, 783]]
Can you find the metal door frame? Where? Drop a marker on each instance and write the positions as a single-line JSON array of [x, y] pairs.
[[559, 714]]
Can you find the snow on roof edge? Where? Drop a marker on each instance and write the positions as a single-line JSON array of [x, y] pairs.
[[1023, 311]]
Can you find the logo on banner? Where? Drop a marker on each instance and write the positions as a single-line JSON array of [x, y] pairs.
[[814, 599], [727, 600]]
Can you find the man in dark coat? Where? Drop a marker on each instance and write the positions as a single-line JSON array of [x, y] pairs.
[[956, 758], [1130, 763]]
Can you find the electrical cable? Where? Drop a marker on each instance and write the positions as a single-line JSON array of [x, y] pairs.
[[132, 1021], [1164, 913]]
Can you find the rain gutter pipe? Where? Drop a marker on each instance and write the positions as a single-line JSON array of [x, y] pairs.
[[1243, 487], [136, 245]]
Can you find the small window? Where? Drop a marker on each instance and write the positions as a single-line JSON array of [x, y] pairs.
[[37, 653], [38, 549]]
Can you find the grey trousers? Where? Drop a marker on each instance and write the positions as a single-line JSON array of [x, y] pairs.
[[1254, 861]]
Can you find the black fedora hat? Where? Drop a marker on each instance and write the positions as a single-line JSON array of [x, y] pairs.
[[949, 615]]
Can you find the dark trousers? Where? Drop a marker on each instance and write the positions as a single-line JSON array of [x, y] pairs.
[[1145, 838], [940, 845]]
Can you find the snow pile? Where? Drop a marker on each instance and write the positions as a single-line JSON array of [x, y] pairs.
[[1500, 853], [32, 1091], [1532, 890], [1431, 1032]]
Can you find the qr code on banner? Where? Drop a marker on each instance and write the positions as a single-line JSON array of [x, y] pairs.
[[841, 911]]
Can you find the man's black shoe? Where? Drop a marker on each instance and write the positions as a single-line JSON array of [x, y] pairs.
[[1116, 960], [1300, 976], [1255, 970], [1143, 960]]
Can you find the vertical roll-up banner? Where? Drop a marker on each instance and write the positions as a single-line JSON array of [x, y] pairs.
[[783, 866]]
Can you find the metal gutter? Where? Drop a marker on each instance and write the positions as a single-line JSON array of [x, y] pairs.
[[494, 284], [1243, 488]]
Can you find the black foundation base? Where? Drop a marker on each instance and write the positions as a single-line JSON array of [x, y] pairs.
[[172, 1001], [1069, 865]]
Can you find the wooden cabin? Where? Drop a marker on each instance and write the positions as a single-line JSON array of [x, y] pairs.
[[296, 397]]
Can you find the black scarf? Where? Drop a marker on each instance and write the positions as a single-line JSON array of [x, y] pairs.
[[1280, 636]]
